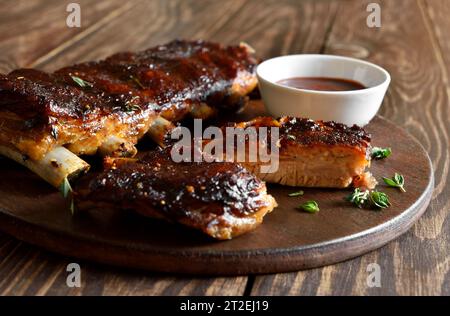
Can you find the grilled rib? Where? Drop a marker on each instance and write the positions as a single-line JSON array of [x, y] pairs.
[[221, 199], [107, 106], [119, 96], [315, 153]]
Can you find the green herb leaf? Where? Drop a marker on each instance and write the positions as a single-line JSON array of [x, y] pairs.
[[369, 199], [381, 153], [72, 207], [82, 83], [291, 137], [390, 182], [65, 188], [136, 80], [132, 108], [310, 207], [54, 132], [397, 181], [400, 180], [131, 105], [379, 199], [298, 193], [358, 197], [66, 191]]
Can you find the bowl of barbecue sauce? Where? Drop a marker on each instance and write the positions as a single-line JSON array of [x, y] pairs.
[[323, 87]]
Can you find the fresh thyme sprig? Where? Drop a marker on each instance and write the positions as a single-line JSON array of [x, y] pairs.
[[381, 153], [54, 131], [131, 105], [137, 81], [82, 83], [397, 181], [379, 199], [369, 199], [310, 207], [358, 197], [291, 137], [66, 190], [298, 193]]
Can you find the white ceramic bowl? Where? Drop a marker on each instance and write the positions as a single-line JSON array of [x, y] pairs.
[[348, 107]]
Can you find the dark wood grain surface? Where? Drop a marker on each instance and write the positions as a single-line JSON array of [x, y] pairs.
[[412, 43]]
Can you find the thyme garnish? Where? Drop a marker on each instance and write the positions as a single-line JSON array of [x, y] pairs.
[[358, 197], [54, 132], [381, 153], [310, 207], [66, 190], [136, 80], [369, 199], [82, 83], [298, 193], [291, 137], [397, 181], [379, 199], [131, 106]]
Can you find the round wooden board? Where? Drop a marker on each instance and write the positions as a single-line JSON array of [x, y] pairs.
[[288, 239]]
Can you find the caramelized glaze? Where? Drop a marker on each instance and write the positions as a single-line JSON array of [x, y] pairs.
[[122, 94], [222, 199]]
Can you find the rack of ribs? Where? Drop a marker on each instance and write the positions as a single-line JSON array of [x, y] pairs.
[[48, 119], [222, 199]]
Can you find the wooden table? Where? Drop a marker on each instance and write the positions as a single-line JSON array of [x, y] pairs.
[[412, 43]]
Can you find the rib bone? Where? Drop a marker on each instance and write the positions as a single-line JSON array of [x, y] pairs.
[[57, 165], [158, 130]]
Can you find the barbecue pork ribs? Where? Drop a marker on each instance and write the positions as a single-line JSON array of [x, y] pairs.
[[222, 199], [90, 106]]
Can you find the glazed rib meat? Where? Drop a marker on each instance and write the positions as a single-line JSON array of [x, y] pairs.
[[84, 106], [314, 153], [221, 199]]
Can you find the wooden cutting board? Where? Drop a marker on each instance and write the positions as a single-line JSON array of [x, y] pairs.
[[288, 240]]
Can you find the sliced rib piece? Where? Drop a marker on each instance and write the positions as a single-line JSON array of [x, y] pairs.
[[80, 106], [315, 153], [221, 199]]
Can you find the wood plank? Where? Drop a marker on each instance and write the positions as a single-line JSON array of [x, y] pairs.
[[436, 14], [287, 25], [32, 29], [305, 26], [26, 270], [418, 99]]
